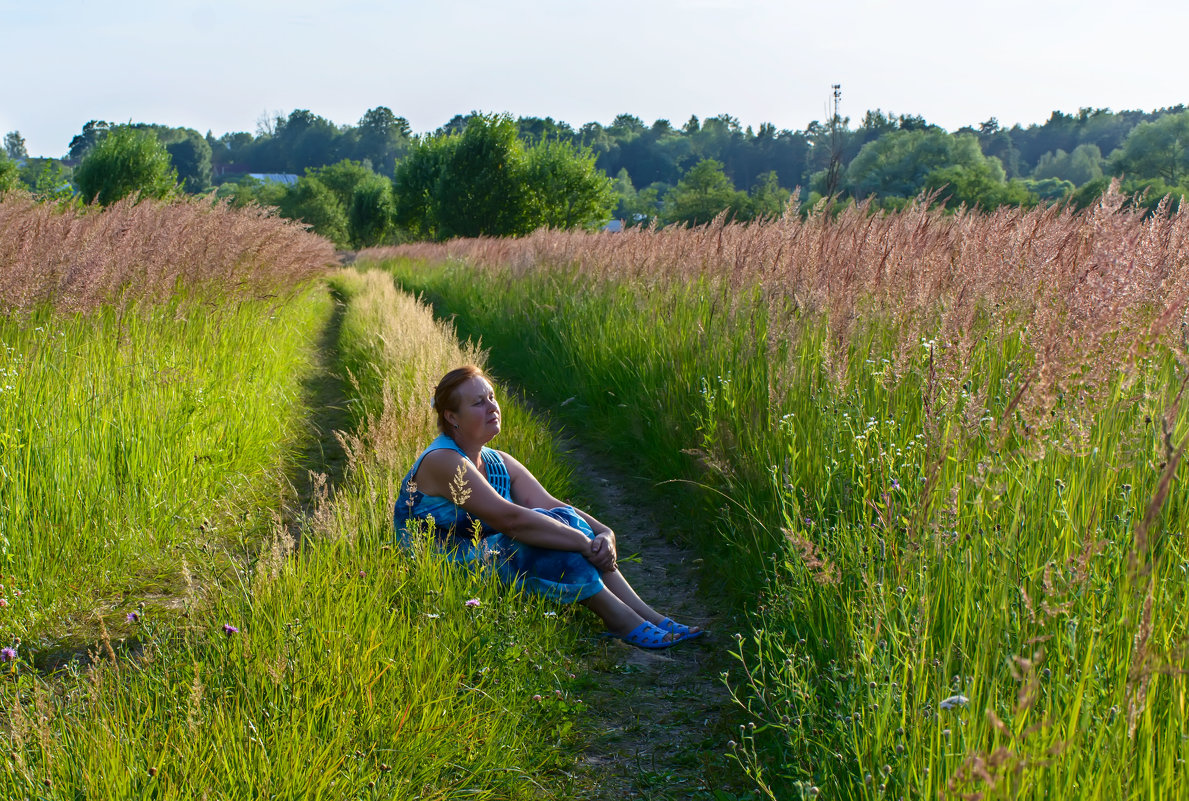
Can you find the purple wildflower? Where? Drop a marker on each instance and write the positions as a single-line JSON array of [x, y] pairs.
[[8, 654], [133, 617], [229, 629], [473, 602]]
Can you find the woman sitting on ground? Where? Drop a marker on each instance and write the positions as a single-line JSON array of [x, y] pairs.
[[532, 538]]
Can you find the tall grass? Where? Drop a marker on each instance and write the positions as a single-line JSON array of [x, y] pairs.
[[137, 445], [951, 447], [346, 669], [77, 259]]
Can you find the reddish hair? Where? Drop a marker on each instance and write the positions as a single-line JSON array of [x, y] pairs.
[[445, 396]]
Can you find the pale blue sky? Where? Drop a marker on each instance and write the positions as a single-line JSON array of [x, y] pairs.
[[220, 65]]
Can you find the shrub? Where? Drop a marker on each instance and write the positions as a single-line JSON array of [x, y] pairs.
[[123, 163]]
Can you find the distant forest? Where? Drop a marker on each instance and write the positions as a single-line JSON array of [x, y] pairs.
[[690, 172]]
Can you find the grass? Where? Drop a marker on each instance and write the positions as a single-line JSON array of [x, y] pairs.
[[947, 489], [320, 663], [136, 442]]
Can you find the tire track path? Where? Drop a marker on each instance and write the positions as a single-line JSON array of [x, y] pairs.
[[658, 721]]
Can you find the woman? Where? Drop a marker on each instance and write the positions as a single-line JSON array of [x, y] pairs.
[[487, 507]]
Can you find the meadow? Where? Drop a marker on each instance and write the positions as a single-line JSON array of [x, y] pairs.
[[184, 615], [938, 456]]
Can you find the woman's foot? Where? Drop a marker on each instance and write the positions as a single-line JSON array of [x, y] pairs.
[[682, 631], [651, 637]]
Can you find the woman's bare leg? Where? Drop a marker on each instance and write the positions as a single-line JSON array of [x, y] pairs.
[[616, 583], [619, 617]]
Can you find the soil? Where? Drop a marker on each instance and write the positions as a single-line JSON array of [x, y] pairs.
[[658, 721]]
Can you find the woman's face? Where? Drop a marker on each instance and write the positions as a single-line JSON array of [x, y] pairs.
[[477, 414]]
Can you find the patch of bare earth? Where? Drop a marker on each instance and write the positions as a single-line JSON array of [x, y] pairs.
[[658, 721]]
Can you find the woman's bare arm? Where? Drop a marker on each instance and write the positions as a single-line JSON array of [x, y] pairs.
[[448, 474], [528, 491]]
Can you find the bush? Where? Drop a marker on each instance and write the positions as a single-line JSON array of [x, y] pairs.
[[125, 162]]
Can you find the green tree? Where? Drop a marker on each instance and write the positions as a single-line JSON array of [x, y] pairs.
[[191, 157], [371, 216], [702, 194], [14, 146], [382, 137], [48, 180], [248, 190], [10, 175], [342, 178], [1158, 149], [483, 181], [312, 202], [568, 190], [1081, 166], [1049, 189], [768, 197], [482, 188], [124, 162], [978, 185], [92, 133]]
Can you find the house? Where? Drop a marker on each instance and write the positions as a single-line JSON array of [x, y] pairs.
[[285, 178]]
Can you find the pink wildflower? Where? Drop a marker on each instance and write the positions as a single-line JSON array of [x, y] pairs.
[[473, 602]]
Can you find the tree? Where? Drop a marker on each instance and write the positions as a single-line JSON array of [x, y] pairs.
[[485, 182], [568, 190], [1081, 166], [123, 162], [14, 145], [768, 197], [312, 202], [702, 194], [900, 162], [305, 140], [93, 132], [371, 215], [382, 137], [977, 185], [191, 157], [10, 175], [481, 189], [1157, 149]]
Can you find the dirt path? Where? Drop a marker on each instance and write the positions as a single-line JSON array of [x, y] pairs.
[[659, 720]]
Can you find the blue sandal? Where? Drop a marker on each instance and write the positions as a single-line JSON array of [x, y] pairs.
[[682, 631], [650, 636]]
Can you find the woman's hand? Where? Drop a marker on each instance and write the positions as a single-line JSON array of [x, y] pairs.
[[602, 551]]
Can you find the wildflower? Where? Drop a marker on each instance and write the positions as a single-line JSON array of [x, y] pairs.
[[362, 573], [472, 602], [551, 614], [132, 617], [3, 602], [536, 698], [432, 615], [229, 629], [8, 654]]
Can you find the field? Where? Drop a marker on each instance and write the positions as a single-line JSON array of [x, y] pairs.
[[940, 457], [936, 459], [185, 615]]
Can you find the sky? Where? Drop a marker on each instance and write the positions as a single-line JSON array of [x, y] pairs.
[[222, 66]]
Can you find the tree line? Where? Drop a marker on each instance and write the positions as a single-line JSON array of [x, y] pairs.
[[377, 182]]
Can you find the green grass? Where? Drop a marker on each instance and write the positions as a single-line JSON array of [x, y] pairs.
[[133, 442], [899, 537], [352, 668]]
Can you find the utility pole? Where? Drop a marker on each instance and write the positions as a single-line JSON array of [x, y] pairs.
[[833, 174]]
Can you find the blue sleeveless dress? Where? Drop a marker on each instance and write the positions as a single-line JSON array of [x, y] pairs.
[[562, 576]]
